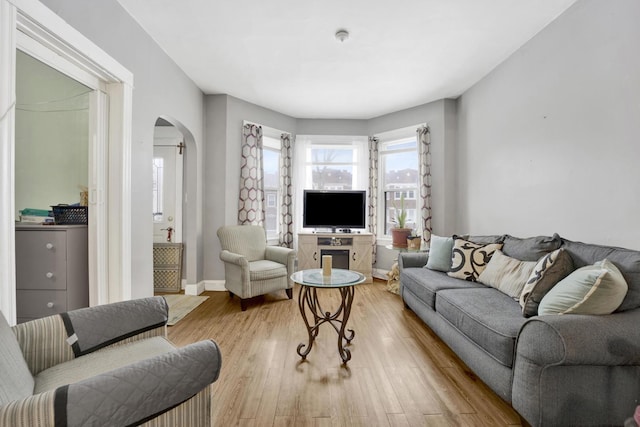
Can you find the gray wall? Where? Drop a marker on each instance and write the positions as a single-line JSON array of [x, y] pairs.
[[160, 89], [548, 142]]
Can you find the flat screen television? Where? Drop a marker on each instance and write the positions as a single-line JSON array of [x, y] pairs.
[[334, 209]]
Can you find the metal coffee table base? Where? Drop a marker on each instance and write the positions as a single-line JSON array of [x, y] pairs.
[[309, 297]]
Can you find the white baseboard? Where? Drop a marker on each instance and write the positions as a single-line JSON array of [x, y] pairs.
[[380, 274], [214, 285], [194, 289], [205, 285]]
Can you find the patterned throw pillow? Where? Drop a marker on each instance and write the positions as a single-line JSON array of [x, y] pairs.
[[506, 274], [551, 268], [469, 259]]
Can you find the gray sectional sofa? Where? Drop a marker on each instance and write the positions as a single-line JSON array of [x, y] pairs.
[[555, 370]]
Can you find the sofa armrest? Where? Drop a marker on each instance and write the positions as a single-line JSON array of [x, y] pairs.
[[574, 339], [412, 259], [32, 411], [233, 258], [280, 254], [576, 369], [142, 390], [92, 328]]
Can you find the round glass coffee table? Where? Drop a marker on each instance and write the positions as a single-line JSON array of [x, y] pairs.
[[312, 280]]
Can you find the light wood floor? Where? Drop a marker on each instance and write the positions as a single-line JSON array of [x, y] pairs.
[[400, 373]]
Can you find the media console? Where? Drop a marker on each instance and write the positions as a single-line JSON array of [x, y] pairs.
[[351, 251]]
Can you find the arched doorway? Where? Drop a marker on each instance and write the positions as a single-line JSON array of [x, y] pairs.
[[175, 145]]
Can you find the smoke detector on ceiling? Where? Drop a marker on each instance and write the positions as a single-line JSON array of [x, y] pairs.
[[342, 35]]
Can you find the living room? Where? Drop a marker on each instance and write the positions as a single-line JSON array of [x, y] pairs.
[[544, 143]]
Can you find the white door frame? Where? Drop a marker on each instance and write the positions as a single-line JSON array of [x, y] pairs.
[[110, 158]]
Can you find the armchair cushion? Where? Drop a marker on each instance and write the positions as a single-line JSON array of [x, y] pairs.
[[264, 269]]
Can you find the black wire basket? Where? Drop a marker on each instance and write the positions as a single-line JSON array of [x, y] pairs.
[[69, 215]]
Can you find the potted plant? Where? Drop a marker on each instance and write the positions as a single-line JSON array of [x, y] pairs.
[[400, 232]]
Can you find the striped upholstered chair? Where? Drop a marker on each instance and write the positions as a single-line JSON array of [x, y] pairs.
[[109, 365], [251, 267]]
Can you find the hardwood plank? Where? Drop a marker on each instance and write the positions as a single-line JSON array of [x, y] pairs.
[[400, 374]]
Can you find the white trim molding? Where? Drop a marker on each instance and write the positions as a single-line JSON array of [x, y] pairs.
[[7, 159], [205, 285]]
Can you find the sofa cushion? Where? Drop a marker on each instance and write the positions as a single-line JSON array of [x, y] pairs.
[[99, 362], [265, 270], [532, 248], [468, 259], [552, 268], [485, 316], [424, 283], [506, 274], [627, 261], [592, 289], [16, 381], [440, 253]]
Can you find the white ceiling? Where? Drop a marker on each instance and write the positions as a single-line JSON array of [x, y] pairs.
[[282, 54]]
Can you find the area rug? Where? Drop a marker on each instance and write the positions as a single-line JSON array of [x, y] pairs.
[[181, 305]]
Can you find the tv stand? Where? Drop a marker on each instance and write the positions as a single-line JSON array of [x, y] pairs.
[[353, 251]]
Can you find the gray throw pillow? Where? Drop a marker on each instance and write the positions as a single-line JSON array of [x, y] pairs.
[[469, 259], [531, 248], [440, 253], [551, 268]]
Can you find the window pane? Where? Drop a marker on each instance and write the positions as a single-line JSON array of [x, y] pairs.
[[332, 178], [271, 166], [400, 170], [321, 155], [399, 180]]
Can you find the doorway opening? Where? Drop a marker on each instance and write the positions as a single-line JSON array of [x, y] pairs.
[[169, 151]]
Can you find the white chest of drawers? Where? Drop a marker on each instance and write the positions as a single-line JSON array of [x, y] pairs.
[[52, 271]]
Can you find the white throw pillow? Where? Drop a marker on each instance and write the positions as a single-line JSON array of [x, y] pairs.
[[593, 289], [506, 274]]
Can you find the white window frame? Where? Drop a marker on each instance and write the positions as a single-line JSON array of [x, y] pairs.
[[387, 140], [304, 165]]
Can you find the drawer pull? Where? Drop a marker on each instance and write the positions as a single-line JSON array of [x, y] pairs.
[[49, 246], [50, 304], [49, 275]]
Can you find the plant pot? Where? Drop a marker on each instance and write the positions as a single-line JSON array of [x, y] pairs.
[[414, 243], [399, 236]]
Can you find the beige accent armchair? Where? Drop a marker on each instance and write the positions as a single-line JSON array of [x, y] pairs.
[[252, 268]]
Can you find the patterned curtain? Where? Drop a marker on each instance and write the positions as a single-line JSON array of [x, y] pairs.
[[373, 190], [286, 191], [251, 200], [424, 171]]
